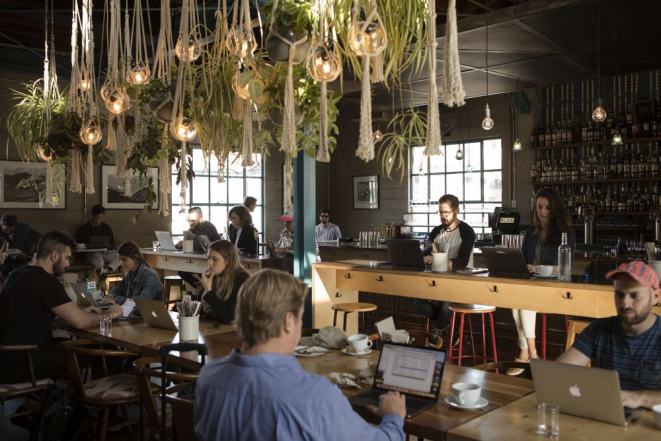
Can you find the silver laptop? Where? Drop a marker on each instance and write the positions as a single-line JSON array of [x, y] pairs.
[[155, 314], [165, 238], [204, 242], [581, 391], [98, 242], [85, 298]]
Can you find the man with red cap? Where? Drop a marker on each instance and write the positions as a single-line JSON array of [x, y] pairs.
[[630, 342], [286, 242]]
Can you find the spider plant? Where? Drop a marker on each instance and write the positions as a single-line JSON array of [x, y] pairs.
[[407, 129]]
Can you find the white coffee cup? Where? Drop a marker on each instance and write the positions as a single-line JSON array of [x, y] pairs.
[[656, 411], [544, 270], [81, 246], [189, 328], [360, 342], [439, 262], [466, 394], [188, 246]]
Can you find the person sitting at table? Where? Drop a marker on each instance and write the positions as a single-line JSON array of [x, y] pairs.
[[140, 281], [540, 247], [19, 236], [250, 203], [222, 281], [456, 238], [243, 232], [285, 244], [198, 226], [30, 299], [106, 261], [261, 392], [628, 342], [326, 230]]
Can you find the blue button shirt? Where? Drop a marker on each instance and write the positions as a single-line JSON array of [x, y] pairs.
[[269, 397]]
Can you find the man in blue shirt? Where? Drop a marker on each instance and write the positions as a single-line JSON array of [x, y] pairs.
[[628, 343], [260, 392]]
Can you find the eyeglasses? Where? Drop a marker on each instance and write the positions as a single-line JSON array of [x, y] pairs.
[[446, 213]]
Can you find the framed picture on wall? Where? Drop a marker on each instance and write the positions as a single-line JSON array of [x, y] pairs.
[[113, 189], [24, 185], [366, 192]]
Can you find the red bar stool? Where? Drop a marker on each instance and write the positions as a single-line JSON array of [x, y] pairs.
[[462, 310]]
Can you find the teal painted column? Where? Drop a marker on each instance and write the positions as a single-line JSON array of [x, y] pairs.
[[304, 223]]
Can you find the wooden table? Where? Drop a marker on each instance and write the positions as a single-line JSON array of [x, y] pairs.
[[339, 282], [518, 421]]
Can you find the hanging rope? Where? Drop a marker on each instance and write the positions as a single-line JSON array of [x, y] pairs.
[[74, 183], [377, 69], [452, 88], [323, 155], [289, 182], [183, 181], [246, 152], [433, 122], [164, 56], [365, 136], [89, 170]]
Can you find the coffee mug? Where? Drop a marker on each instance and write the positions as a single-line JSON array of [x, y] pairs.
[[360, 342], [439, 262], [656, 411], [188, 246], [466, 394], [544, 270]]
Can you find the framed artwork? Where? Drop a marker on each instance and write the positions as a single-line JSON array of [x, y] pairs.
[[366, 192], [24, 185], [112, 189]]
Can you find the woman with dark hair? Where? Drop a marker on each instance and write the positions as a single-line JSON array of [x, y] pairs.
[[550, 219], [243, 233], [140, 281], [222, 281]]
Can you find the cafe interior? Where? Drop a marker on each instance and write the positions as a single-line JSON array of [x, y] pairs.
[[330, 219]]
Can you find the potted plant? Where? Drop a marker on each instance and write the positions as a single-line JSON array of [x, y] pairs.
[[291, 21]]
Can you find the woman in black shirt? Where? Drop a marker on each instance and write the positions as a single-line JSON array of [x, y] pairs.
[[242, 234], [222, 281]]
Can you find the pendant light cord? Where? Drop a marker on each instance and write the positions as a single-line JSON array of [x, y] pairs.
[[599, 51], [486, 54]]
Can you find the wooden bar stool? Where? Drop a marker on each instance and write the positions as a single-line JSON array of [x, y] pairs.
[[348, 308], [545, 330], [575, 325], [462, 310], [170, 282]]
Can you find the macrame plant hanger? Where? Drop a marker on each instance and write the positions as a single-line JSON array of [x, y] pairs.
[[163, 61], [75, 101], [452, 88], [247, 45], [433, 144]]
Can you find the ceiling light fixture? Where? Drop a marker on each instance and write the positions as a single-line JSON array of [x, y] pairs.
[[487, 122], [599, 114], [460, 155], [516, 148]]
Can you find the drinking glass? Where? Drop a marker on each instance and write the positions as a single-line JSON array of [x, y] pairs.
[[105, 325], [548, 420], [156, 245]]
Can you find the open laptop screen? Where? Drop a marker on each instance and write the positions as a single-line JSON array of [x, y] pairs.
[[411, 370]]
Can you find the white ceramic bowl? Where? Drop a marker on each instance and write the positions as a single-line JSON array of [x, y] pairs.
[[544, 270], [656, 410]]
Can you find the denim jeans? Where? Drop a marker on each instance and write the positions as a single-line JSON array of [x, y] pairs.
[[439, 312]]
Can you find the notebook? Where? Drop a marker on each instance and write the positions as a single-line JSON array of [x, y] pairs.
[[165, 239], [412, 371]]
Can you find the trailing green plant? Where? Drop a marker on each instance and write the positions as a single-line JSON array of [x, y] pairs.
[[407, 129], [291, 14]]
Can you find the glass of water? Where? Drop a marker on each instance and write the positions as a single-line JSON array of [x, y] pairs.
[[548, 420], [156, 244], [105, 325]]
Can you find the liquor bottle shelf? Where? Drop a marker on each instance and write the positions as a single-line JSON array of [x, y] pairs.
[[618, 213], [596, 143], [593, 181]]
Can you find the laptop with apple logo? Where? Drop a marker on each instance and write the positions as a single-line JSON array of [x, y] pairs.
[[155, 314], [582, 391]]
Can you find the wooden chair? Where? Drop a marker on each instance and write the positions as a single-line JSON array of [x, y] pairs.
[[360, 308], [504, 366], [103, 393], [149, 392], [170, 282], [575, 325], [111, 278], [40, 388], [182, 415]]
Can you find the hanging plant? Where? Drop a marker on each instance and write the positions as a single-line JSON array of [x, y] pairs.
[[292, 21], [406, 129]]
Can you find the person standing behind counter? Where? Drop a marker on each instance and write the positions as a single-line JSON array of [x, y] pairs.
[[540, 247], [325, 230], [222, 281], [140, 281], [243, 232]]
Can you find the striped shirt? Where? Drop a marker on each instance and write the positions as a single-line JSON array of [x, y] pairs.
[[637, 359]]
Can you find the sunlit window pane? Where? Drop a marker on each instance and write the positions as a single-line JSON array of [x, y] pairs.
[[437, 187], [493, 186], [492, 154], [454, 164], [456, 185], [419, 192], [419, 161], [472, 152], [472, 187], [200, 190]]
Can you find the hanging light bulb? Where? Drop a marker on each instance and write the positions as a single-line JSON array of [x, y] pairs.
[[194, 50], [323, 64], [599, 114], [241, 91], [517, 146], [617, 139], [239, 44], [460, 155], [138, 74], [104, 92], [85, 84], [41, 152], [378, 136], [183, 129], [469, 169], [487, 122], [370, 39], [118, 102], [90, 133]]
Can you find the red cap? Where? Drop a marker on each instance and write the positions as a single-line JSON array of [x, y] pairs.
[[639, 271], [287, 216]]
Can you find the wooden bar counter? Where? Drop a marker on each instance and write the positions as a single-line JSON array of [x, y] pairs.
[[340, 282], [197, 263]]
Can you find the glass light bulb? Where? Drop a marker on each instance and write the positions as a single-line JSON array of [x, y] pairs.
[[104, 92], [41, 152], [469, 169], [517, 146], [90, 133], [370, 41], [118, 102], [138, 74], [241, 91], [183, 129], [378, 136], [487, 122], [460, 155], [194, 50], [599, 114], [617, 139], [85, 84], [323, 64]]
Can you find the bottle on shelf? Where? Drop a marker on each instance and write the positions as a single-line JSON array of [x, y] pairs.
[[564, 260], [533, 138]]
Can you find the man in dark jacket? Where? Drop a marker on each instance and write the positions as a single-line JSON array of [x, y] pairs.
[[20, 236], [198, 226], [104, 261]]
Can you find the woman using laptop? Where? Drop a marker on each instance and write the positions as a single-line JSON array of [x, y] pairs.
[[222, 281], [243, 233], [550, 219], [140, 281]]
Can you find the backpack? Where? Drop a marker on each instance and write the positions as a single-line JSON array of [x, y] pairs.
[[57, 413]]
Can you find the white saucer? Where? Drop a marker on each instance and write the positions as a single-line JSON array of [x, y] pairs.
[[355, 354], [316, 351], [479, 405], [539, 276]]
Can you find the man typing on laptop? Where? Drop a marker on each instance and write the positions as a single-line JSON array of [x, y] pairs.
[[629, 342], [104, 261]]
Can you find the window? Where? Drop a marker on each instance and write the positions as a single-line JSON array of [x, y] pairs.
[[217, 199], [478, 187]]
